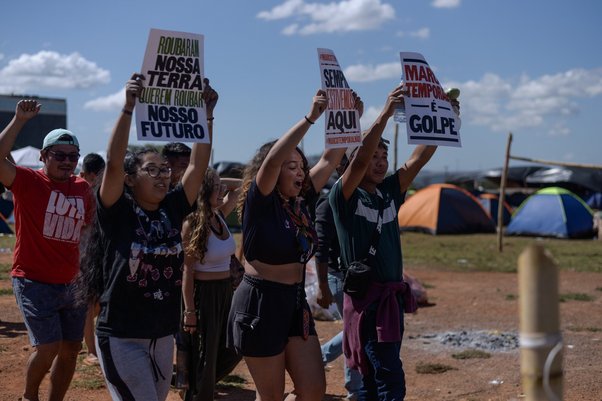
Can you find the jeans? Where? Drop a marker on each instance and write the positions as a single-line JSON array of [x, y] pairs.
[[332, 349], [386, 378]]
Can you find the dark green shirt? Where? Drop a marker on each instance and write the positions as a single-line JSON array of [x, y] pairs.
[[356, 218]]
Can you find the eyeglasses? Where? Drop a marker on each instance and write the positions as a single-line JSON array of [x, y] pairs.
[[154, 171], [61, 156]]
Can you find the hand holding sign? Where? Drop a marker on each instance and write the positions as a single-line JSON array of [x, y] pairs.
[[210, 97], [133, 87], [394, 100], [318, 105]]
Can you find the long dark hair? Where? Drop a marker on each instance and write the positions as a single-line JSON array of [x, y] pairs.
[[253, 167], [199, 219]]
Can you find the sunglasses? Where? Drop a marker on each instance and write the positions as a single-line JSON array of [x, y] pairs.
[[154, 171], [62, 156]]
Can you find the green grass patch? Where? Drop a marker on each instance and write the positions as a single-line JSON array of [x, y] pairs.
[[472, 354], [478, 252], [3, 348], [232, 381], [576, 296], [6, 291], [511, 297], [87, 377], [598, 288], [433, 368], [7, 241]]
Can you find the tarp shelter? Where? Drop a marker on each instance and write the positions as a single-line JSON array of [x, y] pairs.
[[27, 156], [491, 203], [574, 179], [552, 212], [444, 209]]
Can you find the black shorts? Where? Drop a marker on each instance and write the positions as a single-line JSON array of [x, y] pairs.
[[264, 315]]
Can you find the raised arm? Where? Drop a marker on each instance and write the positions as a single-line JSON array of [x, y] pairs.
[[114, 175], [359, 164], [233, 187], [188, 283], [321, 172], [192, 179], [267, 176], [25, 111], [419, 158]]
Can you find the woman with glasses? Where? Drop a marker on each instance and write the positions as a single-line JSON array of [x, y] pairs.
[[270, 323], [207, 285], [142, 255]]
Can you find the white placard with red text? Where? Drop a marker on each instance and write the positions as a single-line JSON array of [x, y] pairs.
[[430, 119], [342, 121]]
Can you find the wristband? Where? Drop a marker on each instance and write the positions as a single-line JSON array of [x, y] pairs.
[[127, 112], [308, 120], [189, 312]]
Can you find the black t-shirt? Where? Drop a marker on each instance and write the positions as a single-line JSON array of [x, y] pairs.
[[328, 250], [142, 267], [269, 233]]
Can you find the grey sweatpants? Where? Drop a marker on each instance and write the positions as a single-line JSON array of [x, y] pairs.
[[136, 369]]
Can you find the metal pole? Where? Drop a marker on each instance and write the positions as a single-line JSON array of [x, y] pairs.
[[500, 207], [540, 338]]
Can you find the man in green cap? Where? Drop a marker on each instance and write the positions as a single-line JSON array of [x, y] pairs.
[[51, 207]]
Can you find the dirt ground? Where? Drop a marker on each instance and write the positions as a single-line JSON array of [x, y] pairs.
[[462, 301]]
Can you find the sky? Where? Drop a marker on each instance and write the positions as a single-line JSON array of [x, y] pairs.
[[533, 68]]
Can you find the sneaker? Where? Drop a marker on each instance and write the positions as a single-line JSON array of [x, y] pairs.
[[91, 360]]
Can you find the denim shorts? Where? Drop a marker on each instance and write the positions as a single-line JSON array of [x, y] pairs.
[[49, 311]]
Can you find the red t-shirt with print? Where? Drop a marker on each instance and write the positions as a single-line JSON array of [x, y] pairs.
[[49, 217]]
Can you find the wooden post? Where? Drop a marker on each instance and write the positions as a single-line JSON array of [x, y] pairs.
[[540, 339], [395, 134], [502, 196]]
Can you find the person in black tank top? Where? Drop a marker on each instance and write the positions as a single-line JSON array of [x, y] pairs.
[[270, 323]]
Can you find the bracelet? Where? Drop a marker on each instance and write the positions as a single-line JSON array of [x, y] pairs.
[[189, 312], [127, 112], [308, 120]]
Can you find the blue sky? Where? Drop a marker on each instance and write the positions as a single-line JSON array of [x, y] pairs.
[[530, 67]]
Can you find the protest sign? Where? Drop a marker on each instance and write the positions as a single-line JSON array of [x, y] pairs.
[[171, 107], [342, 120], [430, 119]]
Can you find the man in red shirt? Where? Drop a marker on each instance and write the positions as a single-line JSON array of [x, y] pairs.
[[51, 208]]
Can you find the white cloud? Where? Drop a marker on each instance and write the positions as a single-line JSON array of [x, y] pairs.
[[50, 69], [446, 3], [107, 103], [367, 73], [422, 33], [342, 16], [545, 102]]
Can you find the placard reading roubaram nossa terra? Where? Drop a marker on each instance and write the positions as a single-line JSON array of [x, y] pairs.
[[171, 107], [430, 118], [342, 120]]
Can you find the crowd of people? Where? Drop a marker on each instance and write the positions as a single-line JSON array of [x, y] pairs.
[[135, 252]]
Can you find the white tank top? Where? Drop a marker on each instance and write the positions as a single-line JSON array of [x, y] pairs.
[[219, 252]]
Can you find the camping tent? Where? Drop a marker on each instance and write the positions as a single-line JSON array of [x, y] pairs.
[[490, 203], [27, 156], [552, 212], [444, 209]]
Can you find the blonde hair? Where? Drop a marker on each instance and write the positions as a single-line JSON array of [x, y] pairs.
[[199, 219]]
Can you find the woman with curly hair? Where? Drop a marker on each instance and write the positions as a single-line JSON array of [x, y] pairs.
[[270, 322], [207, 287]]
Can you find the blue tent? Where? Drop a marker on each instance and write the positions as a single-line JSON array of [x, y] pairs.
[[595, 200], [552, 212]]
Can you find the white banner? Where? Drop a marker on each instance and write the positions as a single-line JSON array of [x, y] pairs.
[[342, 119], [170, 107], [430, 118]]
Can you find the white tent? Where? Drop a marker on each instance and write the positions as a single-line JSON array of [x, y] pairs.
[[27, 156]]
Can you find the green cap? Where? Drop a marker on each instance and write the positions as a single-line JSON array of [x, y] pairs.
[[60, 136]]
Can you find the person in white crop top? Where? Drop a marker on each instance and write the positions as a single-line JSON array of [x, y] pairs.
[[207, 288]]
